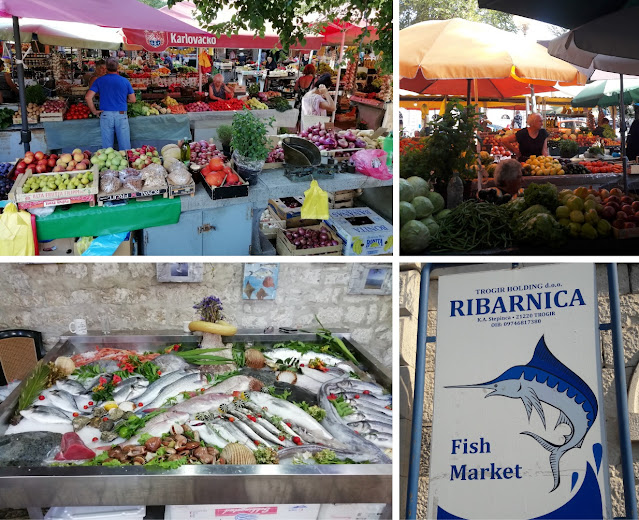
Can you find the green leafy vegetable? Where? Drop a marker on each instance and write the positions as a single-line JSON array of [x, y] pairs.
[[284, 395], [87, 372], [6, 117], [544, 194], [265, 455], [144, 437], [315, 412]]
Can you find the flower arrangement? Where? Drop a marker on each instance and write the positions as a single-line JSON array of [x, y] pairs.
[[210, 309]]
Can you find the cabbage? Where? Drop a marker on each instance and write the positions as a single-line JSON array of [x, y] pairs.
[[542, 230]]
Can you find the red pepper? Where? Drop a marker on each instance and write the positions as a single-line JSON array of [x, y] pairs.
[[251, 418], [301, 364], [356, 396], [95, 439], [281, 437], [231, 419], [297, 441], [288, 424], [117, 379], [140, 404], [257, 443], [367, 392], [105, 419], [90, 403], [388, 407], [331, 397], [75, 414], [159, 373], [41, 397], [86, 407], [176, 347]]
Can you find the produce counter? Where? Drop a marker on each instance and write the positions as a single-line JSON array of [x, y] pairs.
[[204, 124], [22, 486], [10, 147], [85, 133], [571, 182]]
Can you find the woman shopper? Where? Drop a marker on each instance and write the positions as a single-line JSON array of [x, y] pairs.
[[115, 92], [532, 140], [302, 86], [318, 101]]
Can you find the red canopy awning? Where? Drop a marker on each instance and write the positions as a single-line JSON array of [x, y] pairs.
[[333, 32], [183, 11]]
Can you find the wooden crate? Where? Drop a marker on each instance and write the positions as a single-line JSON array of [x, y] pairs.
[[284, 246], [46, 117], [271, 232], [54, 198], [273, 165], [79, 90], [623, 234], [17, 120], [127, 193], [176, 190], [342, 199]]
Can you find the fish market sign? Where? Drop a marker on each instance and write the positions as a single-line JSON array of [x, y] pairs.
[[528, 340]]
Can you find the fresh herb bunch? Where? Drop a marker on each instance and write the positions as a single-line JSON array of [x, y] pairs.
[[279, 103], [6, 117], [210, 309], [225, 134], [340, 404], [316, 412], [249, 135]]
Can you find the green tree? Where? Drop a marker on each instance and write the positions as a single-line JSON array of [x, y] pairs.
[[414, 11], [156, 4], [293, 20]]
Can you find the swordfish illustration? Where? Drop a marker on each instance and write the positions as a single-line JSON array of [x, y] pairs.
[[546, 380]]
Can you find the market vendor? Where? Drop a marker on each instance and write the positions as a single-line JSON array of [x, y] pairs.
[[218, 90], [532, 140], [271, 64], [318, 101], [508, 175], [599, 131], [115, 92], [100, 70], [9, 92]]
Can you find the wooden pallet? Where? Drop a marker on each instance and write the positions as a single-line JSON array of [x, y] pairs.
[[179, 190], [127, 193], [342, 199], [51, 116], [17, 120]]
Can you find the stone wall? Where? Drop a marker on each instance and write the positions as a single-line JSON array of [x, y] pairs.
[[47, 297], [409, 297]]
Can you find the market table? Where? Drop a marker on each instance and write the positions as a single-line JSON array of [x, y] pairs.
[[80, 220], [204, 124], [85, 133]]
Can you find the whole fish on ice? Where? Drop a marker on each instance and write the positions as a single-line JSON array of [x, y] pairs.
[[544, 379]]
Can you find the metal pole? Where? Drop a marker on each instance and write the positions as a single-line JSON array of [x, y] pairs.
[[339, 73], [630, 498], [533, 101], [418, 398], [622, 130], [25, 133], [468, 94]]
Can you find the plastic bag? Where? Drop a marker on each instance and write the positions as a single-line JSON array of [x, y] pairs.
[[110, 181], [154, 176], [177, 165], [105, 245], [131, 179], [82, 244], [371, 163], [179, 177], [315, 204], [16, 233]]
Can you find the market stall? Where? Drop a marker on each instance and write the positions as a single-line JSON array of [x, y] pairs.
[[217, 414]]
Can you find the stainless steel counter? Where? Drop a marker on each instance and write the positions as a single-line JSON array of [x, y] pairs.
[[259, 484]]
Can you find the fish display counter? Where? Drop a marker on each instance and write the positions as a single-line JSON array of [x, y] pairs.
[[157, 419]]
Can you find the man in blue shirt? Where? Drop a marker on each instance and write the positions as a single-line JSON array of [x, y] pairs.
[[115, 92]]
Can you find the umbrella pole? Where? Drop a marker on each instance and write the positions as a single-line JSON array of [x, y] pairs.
[[339, 73], [468, 96], [25, 133], [622, 130]]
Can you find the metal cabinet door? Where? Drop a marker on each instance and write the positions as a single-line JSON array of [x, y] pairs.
[[181, 239], [230, 232]]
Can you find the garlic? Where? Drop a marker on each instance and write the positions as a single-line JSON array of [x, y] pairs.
[[65, 365]]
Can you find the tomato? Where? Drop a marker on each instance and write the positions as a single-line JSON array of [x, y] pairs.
[[216, 164]]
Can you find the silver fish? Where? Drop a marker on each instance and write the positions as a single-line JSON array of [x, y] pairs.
[[94, 381], [124, 389], [220, 427], [258, 428], [170, 363], [71, 386], [239, 434], [322, 377], [294, 415], [381, 440], [365, 408], [355, 385], [61, 400], [369, 416], [154, 388], [46, 414], [107, 365], [287, 455], [335, 424], [202, 403], [187, 383], [160, 424], [381, 401], [242, 424], [208, 434], [368, 426]]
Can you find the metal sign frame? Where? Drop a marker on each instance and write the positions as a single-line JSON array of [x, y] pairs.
[[614, 325]]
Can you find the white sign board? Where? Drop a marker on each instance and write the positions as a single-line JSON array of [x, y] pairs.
[[518, 428]]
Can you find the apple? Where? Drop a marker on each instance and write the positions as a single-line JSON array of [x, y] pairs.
[[70, 168], [608, 212], [635, 206], [76, 151], [66, 157], [41, 168], [54, 156], [57, 169], [81, 166], [629, 225], [72, 164], [28, 159], [627, 209], [21, 166], [626, 200], [77, 157], [51, 162], [42, 161], [621, 215], [39, 156]]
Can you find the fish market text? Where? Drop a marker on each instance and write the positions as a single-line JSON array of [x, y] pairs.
[[492, 472], [516, 303]]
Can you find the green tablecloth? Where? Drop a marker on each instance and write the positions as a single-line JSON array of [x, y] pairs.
[[80, 220], [85, 133]]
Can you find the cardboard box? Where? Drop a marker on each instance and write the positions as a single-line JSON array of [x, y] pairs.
[[57, 247], [363, 231], [350, 511], [234, 511], [281, 207], [125, 248]]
